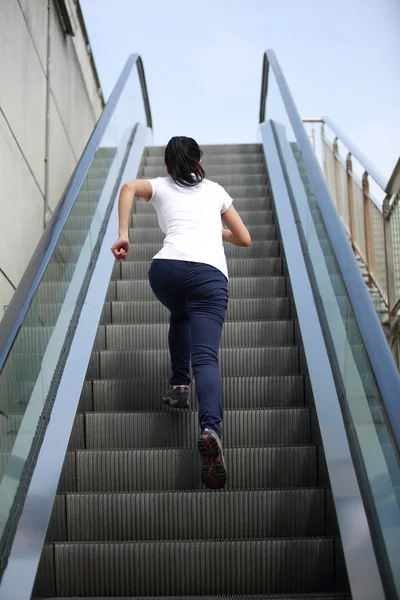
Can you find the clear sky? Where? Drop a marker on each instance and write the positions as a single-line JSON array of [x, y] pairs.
[[203, 63]]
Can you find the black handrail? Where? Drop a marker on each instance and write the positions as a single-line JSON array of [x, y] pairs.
[[377, 348], [25, 292]]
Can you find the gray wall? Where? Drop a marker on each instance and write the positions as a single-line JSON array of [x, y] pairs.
[[76, 104]]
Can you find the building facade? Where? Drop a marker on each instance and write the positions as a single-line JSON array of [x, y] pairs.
[[50, 100]]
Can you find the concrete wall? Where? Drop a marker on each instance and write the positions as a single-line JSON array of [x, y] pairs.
[[76, 104]]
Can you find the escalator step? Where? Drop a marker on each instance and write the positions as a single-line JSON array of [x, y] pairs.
[[237, 392], [237, 267], [249, 203], [155, 335], [239, 362], [145, 251], [254, 217], [210, 150], [239, 287], [237, 158], [146, 568], [236, 597], [179, 469], [280, 427], [138, 519], [195, 515], [155, 235], [151, 172], [238, 310]]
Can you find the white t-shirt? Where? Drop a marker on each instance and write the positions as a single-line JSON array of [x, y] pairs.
[[191, 219]]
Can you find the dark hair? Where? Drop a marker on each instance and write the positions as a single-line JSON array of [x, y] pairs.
[[182, 158]]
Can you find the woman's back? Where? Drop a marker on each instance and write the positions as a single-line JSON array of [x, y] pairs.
[[191, 219]]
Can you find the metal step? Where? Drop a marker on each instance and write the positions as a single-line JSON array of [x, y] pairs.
[[274, 426], [255, 334], [257, 177], [212, 150], [271, 249], [151, 172], [219, 597], [240, 362], [239, 287], [165, 469], [156, 567], [194, 515], [146, 251], [238, 310], [237, 267], [217, 159], [237, 392], [241, 204], [155, 235], [132, 517], [138, 221]]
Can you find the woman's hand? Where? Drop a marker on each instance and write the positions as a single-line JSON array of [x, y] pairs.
[[121, 247]]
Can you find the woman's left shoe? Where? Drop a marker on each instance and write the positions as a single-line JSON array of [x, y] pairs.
[[213, 473], [177, 396]]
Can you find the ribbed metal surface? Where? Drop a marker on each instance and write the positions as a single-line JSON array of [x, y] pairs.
[[171, 430], [155, 235], [238, 310], [267, 249], [155, 335], [131, 495], [240, 362], [68, 480], [86, 399], [179, 469], [237, 392], [238, 267], [254, 217], [77, 439], [241, 204], [196, 515], [158, 567], [211, 151], [45, 581], [212, 170], [219, 597], [236, 158], [57, 531], [239, 287]]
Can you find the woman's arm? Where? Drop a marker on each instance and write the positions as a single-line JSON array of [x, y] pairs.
[[237, 232], [141, 189]]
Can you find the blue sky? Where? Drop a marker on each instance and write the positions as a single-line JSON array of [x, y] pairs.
[[203, 63]]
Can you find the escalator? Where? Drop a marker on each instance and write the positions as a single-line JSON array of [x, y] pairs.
[[103, 481]]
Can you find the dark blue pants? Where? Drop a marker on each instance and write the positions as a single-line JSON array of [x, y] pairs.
[[197, 296]]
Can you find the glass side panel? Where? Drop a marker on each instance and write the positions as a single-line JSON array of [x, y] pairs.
[[373, 447], [28, 374]]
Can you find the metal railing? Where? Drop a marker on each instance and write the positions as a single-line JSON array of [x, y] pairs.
[[366, 379], [39, 329], [373, 228]]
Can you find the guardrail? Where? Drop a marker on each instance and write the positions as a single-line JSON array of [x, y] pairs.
[[373, 228], [366, 379]]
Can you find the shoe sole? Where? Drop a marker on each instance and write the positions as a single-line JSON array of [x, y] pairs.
[[213, 473], [182, 405]]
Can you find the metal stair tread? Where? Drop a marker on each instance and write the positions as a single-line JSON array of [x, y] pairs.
[[326, 596], [309, 562], [130, 456], [259, 467]]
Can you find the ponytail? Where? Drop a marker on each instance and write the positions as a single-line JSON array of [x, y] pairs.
[[182, 158]]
